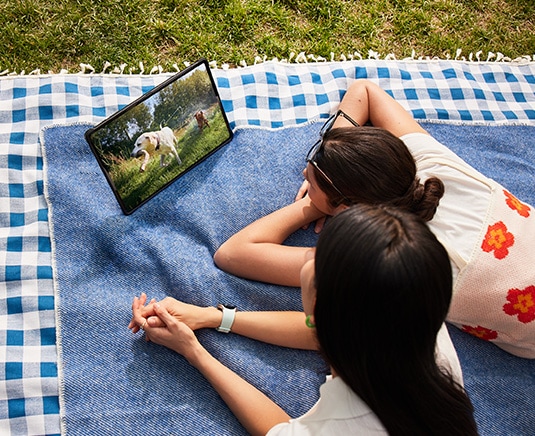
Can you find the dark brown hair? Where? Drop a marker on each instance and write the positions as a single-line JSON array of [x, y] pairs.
[[370, 165], [384, 285]]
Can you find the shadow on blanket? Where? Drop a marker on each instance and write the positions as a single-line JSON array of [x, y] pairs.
[[115, 381]]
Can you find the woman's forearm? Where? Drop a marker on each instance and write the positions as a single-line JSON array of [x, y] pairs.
[[255, 411], [284, 328], [256, 252]]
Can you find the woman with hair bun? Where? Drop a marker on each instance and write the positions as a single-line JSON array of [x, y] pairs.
[[372, 151], [351, 163]]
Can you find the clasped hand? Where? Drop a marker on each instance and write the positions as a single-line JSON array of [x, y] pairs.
[[169, 323]]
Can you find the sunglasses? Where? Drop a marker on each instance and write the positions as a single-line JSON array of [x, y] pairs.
[[319, 146]]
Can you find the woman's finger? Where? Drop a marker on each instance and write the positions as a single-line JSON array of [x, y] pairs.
[[302, 191], [163, 314], [137, 318], [154, 321]]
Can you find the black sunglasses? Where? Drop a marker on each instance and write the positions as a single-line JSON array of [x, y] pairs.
[[318, 146]]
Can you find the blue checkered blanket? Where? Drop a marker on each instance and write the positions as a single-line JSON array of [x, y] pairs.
[[270, 95]]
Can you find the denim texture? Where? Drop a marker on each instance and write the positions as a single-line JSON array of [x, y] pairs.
[[113, 382], [116, 383], [503, 153]]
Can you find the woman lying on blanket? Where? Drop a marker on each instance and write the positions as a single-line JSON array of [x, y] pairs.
[[364, 253], [487, 232]]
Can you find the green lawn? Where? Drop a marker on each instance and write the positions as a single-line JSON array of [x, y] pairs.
[[61, 34]]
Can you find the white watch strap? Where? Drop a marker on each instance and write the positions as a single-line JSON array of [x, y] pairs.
[[227, 320]]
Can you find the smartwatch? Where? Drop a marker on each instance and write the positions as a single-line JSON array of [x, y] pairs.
[[229, 313]]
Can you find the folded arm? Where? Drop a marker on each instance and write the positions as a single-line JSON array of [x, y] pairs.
[[366, 102], [256, 252]]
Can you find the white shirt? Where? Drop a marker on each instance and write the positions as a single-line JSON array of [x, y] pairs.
[[460, 215], [446, 356], [340, 411]]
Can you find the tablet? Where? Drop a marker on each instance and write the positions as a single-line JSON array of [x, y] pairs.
[[156, 139]]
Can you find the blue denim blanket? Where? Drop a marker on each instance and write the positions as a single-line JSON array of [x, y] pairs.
[[115, 381]]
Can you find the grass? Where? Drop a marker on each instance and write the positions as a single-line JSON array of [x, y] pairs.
[[193, 145], [62, 34]]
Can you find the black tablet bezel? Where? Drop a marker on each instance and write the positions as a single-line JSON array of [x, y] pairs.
[[90, 133]]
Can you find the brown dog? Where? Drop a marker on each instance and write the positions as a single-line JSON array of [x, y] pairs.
[[202, 121]]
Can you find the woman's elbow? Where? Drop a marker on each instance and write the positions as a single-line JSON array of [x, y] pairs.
[[219, 256], [223, 257]]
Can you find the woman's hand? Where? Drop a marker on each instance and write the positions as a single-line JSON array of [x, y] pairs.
[[172, 334], [194, 317], [169, 332], [302, 190], [301, 193]]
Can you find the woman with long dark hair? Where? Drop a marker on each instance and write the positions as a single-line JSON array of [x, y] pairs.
[[375, 298], [394, 279]]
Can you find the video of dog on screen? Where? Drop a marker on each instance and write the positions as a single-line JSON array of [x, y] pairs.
[[148, 146]]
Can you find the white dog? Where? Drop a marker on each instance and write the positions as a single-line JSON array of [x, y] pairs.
[[160, 142]]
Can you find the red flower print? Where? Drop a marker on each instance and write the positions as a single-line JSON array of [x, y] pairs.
[[481, 332], [498, 239], [521, 303], [515, 204]]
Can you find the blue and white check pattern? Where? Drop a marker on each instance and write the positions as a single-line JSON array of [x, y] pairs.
[[270, 95]]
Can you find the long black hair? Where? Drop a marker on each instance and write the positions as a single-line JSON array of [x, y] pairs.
[[384, 286], [370, 165]]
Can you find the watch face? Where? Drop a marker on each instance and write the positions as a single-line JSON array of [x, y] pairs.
[[228, 306]]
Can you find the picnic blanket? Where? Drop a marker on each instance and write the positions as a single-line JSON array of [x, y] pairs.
[[112, 383]]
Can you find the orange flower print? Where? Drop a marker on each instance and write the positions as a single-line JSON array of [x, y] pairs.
[[498, 239], [481, 332], [521, 303], [515, 204]]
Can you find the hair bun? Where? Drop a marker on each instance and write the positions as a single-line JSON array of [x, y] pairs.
[[427, 197]]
